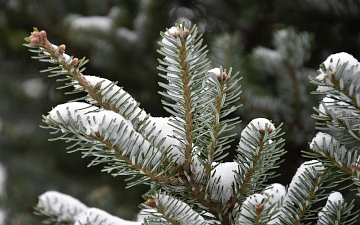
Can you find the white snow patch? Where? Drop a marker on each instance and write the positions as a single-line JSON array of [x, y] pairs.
[[109, 125], [335, 60], [71, 110], [64, 207], [322, 139], [123, 100], [222, 179], [335, 199], [98, 216], [215, 70], [275, 193], [161, 128], [261, 125]]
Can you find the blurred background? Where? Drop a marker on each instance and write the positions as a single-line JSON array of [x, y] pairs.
[[275, 45]]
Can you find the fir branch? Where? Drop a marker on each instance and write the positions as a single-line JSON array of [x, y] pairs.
[[302, 192], [186, 67], [253, 211], [177, 40], [214, 142], [333, 154], [73, 68], [336, 211], [339, 82], [115, 143], [179, 157], [258, 152]]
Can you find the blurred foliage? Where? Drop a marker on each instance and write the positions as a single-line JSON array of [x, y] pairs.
[[125, 50]]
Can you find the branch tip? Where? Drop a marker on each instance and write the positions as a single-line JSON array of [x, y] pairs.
[[151, 202], [259, 207], [39, 38], [62, 49]]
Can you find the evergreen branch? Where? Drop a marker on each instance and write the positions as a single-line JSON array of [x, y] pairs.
[[116, 143], [340, 108], [109, 97], [254, 210], [335, 114], [212, 144], [177, 42], [302, 192], [213, 141], [334, 155], [179, 156], [274, 195], [258, 153], [336, 211], [187, 104], [208, 100], [186, 66]]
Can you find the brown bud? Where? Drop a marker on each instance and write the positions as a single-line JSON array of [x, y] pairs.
[[38, 38], [262, 130], [74, 61], [185, 33], [62, 49], [151, 202], [34, 40], [43, 33], [96, 134], [223, 77], [259, 207]]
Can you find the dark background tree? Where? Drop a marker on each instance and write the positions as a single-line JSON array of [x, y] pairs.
[[123, 48]]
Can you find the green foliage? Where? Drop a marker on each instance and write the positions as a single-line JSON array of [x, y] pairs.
[[180, 157], [34, 165]]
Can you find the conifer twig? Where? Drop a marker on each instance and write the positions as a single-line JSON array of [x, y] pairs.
[[69, 65]]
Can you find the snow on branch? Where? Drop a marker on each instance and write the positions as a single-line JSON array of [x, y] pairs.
[[181, 157], [107, 126], [62, 207]]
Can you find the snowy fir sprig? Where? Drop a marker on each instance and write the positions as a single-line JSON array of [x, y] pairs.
[[181, 157]]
